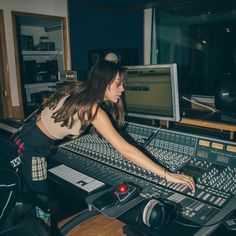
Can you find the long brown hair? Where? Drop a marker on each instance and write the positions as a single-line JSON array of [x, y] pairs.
[[81, 97]]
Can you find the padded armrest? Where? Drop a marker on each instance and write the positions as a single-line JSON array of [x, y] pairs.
[[47, 203], [76, 220], [29, 226]]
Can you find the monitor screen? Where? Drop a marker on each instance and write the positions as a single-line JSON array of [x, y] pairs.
[[151, 91]]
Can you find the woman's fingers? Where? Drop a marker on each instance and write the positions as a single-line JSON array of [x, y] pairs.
[[183, 179], [190, 182]]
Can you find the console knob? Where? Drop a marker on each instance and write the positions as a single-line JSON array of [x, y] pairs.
[[122, 188]]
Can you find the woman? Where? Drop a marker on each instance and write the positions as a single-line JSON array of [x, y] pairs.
[[69, 111]]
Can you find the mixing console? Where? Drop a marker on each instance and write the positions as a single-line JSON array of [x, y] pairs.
[[210, 161]]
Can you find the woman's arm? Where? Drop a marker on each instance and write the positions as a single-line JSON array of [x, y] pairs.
[[104, 126]]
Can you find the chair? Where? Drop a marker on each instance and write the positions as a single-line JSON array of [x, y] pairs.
[[11, 173], [12, 214], [15, 218]]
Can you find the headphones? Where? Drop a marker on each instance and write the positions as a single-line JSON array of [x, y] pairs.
[[156, 213]]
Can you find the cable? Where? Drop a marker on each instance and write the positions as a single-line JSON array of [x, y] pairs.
[[58, 52], [151, 137], [199, 103]]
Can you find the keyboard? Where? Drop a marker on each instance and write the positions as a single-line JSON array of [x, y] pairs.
[[80, 180]]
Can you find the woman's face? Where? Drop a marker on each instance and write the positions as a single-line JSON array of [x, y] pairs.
[[114, 90]]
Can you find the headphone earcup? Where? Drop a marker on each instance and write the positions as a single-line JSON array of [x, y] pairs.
[[157, 214], [154, 213]]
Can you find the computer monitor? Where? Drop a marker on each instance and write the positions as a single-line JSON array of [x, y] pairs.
[[151, 92]]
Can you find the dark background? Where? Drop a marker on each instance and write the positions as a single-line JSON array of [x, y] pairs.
[[109, 24]]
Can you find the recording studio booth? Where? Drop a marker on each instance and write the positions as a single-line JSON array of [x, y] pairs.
[[180, 111]]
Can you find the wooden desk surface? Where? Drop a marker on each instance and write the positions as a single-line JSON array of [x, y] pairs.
[[209, 124], [231, 128]]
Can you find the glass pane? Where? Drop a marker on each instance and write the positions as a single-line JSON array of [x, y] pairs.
[[200, 36]]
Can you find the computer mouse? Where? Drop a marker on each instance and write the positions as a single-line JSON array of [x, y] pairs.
[[126, 192], [117, 196]]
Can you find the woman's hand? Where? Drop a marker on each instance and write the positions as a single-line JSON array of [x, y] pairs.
[[181, 179], [104, 126]]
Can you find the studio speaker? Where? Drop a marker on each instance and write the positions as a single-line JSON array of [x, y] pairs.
[[124, 56]]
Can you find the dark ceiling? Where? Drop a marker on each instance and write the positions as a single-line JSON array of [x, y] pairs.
[[132, 5], [180, 7], [177, 7]]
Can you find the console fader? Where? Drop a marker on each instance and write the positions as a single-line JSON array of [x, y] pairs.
[[212, 163]]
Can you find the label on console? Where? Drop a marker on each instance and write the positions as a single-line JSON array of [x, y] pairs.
[[204, 143], [230, 148], [219, 146]]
